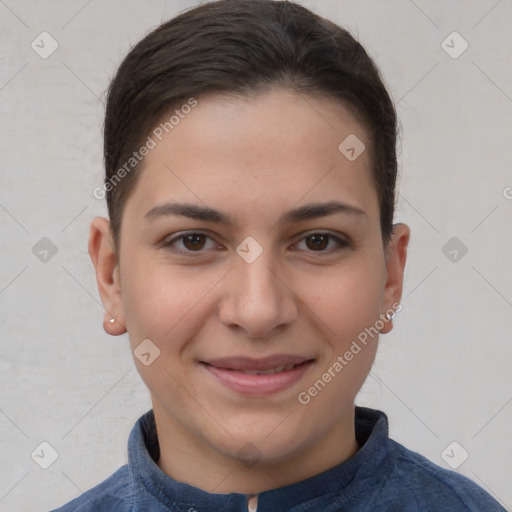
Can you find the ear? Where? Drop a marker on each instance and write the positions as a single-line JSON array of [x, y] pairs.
[[101, 251], [395, 257]]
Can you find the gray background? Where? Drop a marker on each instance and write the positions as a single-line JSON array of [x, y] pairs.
[[442, 375]]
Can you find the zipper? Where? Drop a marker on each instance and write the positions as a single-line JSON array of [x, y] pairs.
[[252, 503]]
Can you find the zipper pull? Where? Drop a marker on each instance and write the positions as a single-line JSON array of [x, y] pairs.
[[252, 503]]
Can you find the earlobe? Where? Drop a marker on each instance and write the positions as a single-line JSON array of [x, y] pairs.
[[104, 259], [396, 256]]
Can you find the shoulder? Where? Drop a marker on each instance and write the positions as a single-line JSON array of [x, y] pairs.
[[425, 484], [113, 494]]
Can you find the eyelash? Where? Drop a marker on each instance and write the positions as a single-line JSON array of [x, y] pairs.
[[169, 244]]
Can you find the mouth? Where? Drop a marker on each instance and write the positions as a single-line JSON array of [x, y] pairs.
[[258, 376], [270, 371]]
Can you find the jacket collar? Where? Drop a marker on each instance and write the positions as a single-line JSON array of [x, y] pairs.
[[338, 484]]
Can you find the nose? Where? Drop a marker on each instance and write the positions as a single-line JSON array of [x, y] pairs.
[[257, 299]]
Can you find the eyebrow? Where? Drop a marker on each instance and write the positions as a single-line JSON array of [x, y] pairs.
[[301, 213]]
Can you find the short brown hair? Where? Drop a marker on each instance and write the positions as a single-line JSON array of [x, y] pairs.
[[243, 47]]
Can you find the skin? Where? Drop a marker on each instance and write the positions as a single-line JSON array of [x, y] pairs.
[[252, 159]]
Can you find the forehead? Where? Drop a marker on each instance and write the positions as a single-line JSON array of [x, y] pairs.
[[271, 149]]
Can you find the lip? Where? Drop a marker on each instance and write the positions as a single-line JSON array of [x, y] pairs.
[[229, 372]]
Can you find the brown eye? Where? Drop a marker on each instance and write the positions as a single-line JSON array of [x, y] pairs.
[[194, 241], [323, 243], [317, 242], [190, 244]]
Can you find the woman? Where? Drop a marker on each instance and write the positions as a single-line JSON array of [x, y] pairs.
[[250, 254]]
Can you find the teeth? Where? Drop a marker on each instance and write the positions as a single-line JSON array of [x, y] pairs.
[[278, 369]]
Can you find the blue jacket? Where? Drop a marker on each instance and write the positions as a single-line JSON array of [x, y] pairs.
[[382, 476]]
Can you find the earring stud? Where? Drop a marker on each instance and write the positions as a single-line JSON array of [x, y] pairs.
[[112, 320]]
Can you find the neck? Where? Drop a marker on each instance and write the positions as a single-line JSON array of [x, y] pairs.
[[190, 459]]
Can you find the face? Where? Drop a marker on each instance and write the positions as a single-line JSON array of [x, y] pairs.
[[251, 243]]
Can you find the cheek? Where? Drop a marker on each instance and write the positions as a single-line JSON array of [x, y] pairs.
[[165, 307], [346, 299], [163, 303], [152, 302], [349, 305]]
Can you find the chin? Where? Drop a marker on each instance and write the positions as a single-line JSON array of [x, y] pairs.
[[267, 444]]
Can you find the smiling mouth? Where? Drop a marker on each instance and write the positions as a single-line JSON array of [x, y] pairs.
[[269, 371], [258, 376]]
